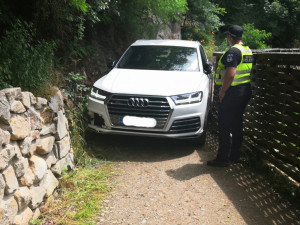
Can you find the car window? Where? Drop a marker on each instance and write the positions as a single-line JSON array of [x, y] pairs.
[[160, 58]]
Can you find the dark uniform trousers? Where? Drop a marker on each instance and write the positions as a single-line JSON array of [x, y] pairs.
[[230, 118]]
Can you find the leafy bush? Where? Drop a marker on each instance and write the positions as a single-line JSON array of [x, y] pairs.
[[204, 15], [144, 17], [200, 23], [77, 94], [223, 46], [24, 63], [205, 38], [255, 38]]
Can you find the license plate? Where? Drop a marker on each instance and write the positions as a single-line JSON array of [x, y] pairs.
[[138, 121]]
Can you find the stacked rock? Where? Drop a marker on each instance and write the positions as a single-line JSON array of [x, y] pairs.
[[35, 148]]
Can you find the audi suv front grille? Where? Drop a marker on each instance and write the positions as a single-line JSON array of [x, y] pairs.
[[185, 125], [157, 108]]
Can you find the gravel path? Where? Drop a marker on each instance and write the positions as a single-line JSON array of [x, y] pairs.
[[162, 181]]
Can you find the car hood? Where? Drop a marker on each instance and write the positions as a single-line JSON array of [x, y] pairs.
[[151, 82]]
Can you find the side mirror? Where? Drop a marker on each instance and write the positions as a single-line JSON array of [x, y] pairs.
[[111, 64], [207, 68]]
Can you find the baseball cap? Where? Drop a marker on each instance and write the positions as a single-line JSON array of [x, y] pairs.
[[235, 31]]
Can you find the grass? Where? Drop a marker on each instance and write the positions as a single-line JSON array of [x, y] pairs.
[[80, 195], [81, 191]]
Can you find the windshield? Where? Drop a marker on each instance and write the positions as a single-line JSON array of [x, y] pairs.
[[160, 58]]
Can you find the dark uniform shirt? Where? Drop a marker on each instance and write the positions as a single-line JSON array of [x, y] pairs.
[[232, 58]]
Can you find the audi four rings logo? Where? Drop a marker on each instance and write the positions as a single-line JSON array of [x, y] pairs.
[[138, 102]]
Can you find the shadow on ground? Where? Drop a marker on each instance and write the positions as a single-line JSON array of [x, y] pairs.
[[254, 198], [136, 148]]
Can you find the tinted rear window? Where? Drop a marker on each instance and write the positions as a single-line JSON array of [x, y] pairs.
[[160, 58]]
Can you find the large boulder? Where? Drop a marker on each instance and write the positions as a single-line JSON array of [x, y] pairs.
[[26, 99], [23, 197], [23, 217], [45, 145], [64, 146], [56, 101], [25, 145], [35, 119], [37, 194], [8, 210], [6, 137], [40, 103], [20, 128], [21, 166], [61, 126], [11, 182], [2, 187], [38, 166], [51, 159], [13, 94], [48, 129], [17, 107], [169, 31], [6, 154], [49, 182], [4, 109]]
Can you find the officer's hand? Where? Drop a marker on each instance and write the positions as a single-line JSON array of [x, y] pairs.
[[221, 95]]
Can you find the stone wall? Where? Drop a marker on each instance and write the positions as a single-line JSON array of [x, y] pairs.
[[35, 148]]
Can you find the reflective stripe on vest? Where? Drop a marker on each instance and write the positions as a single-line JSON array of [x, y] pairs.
[[243, 69], [237, 72]]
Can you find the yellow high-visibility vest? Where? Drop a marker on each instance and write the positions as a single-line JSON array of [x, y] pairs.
[[243, 69]]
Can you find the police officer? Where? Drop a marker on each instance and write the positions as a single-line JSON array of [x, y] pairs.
[[233, 75]]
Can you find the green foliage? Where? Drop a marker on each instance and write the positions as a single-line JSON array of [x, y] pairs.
[[77, 50], [205, 38], [25, 63], [143, 17], [255, 38], [203, 15], [201, 20], [60, 21], [166, 10], [34, 222], [252, 37], [278, 17], [223, 46], [99, 11], [282, 18], [76, 110], [80, 5]]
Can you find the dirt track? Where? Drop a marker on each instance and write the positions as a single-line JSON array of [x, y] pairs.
[[165, 181]]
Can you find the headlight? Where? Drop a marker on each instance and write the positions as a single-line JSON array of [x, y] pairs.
[[188, 98], [99, 94]]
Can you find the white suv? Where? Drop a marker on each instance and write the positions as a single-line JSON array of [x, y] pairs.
[[157, 88]]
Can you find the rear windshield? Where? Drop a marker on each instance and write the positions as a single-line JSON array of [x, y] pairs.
[[160, 58]]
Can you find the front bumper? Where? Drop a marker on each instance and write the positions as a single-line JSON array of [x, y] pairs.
[[181, 121]]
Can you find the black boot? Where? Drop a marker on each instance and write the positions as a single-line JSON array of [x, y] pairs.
[[218, 163]]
